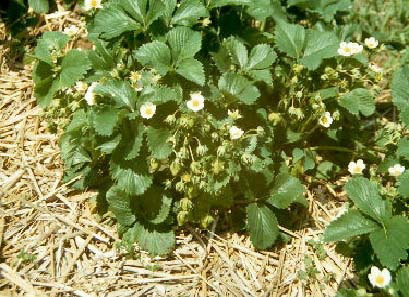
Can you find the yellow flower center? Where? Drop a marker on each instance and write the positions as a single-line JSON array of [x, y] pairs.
[[324, 120], [380, 280], [94, 3], [195, 103], [149, 111]]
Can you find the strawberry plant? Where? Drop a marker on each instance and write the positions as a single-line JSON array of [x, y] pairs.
[[187, 111]]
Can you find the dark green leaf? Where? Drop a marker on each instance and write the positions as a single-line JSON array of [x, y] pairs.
[[403, 148], [263, 225], [350, 224], [261, 56], [402, 281], [157, 142], [73, 68], [184, 43], [239, 87], [189, 12], [391, 244], [156, 55], [192, 70], [39, 6], [120, 205], [358, 100], [290, 39], [154, 239], [287, 190], [365, 196], [403, 188], [120, 91], [105, 121], [49, 42]]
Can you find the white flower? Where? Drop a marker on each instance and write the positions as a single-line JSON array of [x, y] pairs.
[[235, 132], [379, 278], [90, 4], [81, 86], [196, 102], [348, 49], [396, 170], [148, 110], [71, 30], [371, 42], [345, 49], [356, 48], [375, 68], [90, 95], [326, 120], [356, 168]]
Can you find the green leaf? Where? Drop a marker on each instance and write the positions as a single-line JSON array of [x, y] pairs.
[[403, 188], [120, 205], [263, 9], [157, 142], [189, 12], [154, 206], [261, 75], [238, 87], [403, 148], [105, 121], [404, 116], [111, 22], [358, 100], [45, 85], [365, 196], [262, 224], [73, 68], [156, 240], [220, 3], [319, 46], [400, 88], [120, 91], [47, 43], [238, 52], [392, 242], [192, 70], [109, 146], [130, 181], [135, 143], [39, 6], [144, 11], [101, 57], [350, 224], [287, 190], [156, 55], [290, 39], [261, 56], [402, 281], [184, 43]]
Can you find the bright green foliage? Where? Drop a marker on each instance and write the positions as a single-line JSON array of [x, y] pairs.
[[403, 148], [365, 196], [400, 92], [286, 190], [402, 281], [388, 236], [156, 240], [39, 6], [290, 39], [404, 184], [262, 224], [319, 46], [348, 225], [358, 101], [391, 242], [188, 110]]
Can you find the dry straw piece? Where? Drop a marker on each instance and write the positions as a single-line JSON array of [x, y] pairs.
[[53, 244]]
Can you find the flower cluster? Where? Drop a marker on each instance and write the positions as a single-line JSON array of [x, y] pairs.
[[348, 49]]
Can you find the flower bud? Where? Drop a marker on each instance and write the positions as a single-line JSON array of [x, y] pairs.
[[218, 166], [180, 186], [201, 150], [247, 158], [153, 166], [182, 216], [207, 220], [195, 167], [174, 168], [186, 178], [170, 119], [186, 204], [294, 80], [221, 151], [260, 130], [274, 117]]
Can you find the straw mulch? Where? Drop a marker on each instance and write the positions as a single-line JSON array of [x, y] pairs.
[[53, 244]]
